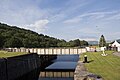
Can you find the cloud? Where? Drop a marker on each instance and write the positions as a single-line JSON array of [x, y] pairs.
[[26, 12], [38, 26], [70, 9], [72, 18], [75, 20], [114, 17], [93, 16]]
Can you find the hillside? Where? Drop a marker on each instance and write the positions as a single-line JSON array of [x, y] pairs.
[[93, 42], [12, 36]]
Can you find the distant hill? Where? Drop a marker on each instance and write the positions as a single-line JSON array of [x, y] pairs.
[[12, 36], [93, 42]]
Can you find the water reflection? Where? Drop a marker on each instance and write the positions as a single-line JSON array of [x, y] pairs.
[[67, 58], [33, 75], [62, 69]]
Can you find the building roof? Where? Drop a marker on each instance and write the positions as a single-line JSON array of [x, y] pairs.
[[116, 43], [116, 40]]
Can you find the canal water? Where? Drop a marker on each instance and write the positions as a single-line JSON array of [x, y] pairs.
[[62, 68]]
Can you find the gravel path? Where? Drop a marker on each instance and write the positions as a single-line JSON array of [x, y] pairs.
[[117, 54]]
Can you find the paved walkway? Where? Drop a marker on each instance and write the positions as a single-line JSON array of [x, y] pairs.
[[82, 74], [117, 54]]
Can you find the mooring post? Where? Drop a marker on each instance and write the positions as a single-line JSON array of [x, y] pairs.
[[85, 59]]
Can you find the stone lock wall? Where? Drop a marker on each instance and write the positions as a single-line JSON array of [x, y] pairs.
[[13, 67]]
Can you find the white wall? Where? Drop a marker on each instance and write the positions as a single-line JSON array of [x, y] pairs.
[[118, 49]]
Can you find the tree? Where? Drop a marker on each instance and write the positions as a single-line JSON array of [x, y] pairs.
[[1, 41], [27, 43], [84, 43], [13, 42], [102, 41], [12, 36], [77, 42], [74, 43]]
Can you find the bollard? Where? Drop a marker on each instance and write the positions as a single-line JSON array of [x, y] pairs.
[[85, 59]]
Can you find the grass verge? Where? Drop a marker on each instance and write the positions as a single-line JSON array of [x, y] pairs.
[[106, 66], [10, 54]]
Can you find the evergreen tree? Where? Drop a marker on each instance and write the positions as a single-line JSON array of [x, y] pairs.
[[102, 41]]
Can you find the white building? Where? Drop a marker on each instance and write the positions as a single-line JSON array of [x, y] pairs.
[[116, 44]]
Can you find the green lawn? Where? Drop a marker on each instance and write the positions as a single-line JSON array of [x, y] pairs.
[[106, 66], [10, 54]]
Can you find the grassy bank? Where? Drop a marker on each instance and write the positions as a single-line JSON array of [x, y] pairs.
[[106, 66], [10, 54]]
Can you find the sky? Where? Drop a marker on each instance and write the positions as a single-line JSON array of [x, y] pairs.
[[65, 19]]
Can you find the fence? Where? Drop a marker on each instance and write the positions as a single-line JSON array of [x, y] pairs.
[[49, 50]]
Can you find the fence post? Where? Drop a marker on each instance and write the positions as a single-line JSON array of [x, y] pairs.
[[77, 50]]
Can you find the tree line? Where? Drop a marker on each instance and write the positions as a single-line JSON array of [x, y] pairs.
[[12, 36]]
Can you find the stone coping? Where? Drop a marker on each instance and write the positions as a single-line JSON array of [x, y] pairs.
[[82, 74]]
